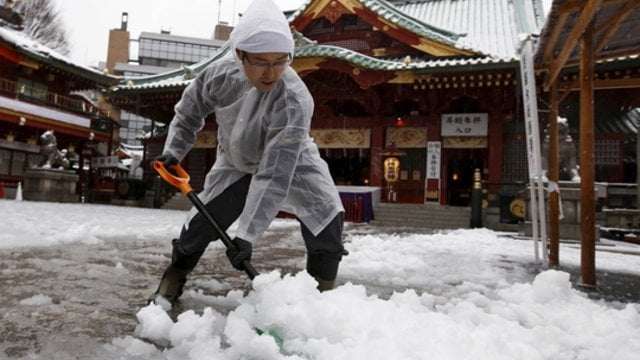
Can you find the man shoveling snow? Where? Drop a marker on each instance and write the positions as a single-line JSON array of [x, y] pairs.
[[265, 161]]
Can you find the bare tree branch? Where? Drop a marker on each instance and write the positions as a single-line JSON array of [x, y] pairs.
[[42, 22]]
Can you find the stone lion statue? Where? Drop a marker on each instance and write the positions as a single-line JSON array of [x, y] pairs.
[[567, 161], [53, 158]]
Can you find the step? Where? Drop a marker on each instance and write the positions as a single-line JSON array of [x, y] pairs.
[[177, 202], [430, 216]]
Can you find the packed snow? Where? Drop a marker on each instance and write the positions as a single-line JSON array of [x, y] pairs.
[[458, 294]]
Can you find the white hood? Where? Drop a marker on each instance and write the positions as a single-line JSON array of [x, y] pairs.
[[262, 28]]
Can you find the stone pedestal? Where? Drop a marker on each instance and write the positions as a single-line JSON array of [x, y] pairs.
[[50, 185], [570, 202]]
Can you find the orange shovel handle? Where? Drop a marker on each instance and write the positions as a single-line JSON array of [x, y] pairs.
[[181, 181]]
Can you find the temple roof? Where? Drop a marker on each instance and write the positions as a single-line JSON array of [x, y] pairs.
[[388, 12], [486, 33], [28, 51], [492, 27]]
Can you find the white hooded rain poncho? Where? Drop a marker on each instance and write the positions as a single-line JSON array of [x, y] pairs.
[[265, 134]]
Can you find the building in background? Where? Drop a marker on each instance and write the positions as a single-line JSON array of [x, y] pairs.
[[434, 84], [156, 53], [42, 90], [393, 79]]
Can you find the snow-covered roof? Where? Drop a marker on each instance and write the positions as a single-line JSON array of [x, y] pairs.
[[132, 151], [489, 29], [490, 26], [39, 52]]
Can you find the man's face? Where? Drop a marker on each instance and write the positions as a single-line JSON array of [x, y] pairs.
[[264, 69]]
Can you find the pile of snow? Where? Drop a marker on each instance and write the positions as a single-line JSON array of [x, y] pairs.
[[543, 320], [452, 295]]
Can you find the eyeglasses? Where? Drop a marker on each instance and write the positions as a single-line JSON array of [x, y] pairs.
[[262, 65]]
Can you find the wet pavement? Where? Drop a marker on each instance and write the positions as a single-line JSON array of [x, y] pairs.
[[96, 290]]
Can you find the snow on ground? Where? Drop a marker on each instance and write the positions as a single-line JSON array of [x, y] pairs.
[[455, 294]]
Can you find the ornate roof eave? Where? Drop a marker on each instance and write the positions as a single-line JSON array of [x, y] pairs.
[[311, 57], [407, 63], [417, 34], [177, 84], [398, 71]]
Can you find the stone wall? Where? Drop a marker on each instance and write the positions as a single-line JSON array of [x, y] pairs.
[[50, 185]]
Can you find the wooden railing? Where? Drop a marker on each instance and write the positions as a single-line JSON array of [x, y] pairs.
[[42, 97]]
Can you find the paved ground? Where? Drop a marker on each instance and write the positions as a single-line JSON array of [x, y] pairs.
[[99, 288], [97, 298], [611, 286]]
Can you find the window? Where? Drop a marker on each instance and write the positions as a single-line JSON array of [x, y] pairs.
[[320, 26], [353, 22], [145, 48], [32, 89], [18, 163], [352, 44], [12, 162], [5, 161], [135, 126]]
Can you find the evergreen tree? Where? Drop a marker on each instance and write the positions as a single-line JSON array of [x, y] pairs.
[[42, 23]]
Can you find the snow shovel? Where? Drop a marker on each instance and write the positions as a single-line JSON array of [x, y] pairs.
[[181, 181]]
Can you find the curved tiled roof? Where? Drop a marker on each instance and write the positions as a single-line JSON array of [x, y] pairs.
[[34, 50], [175, 78], [182, 77], [626, 123], [368, 62], [490, 28], [395, 15]]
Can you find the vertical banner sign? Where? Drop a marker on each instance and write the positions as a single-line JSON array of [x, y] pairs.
[[434, 151], [433, 159], [538, 217]]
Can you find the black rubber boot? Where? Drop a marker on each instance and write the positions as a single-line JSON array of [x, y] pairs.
[[325, 285], [324, 268], [175, 276]]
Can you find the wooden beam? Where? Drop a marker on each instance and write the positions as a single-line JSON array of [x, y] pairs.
[[613, 24], [604, 84], [573, 5], [563, 95], [553, 39], [587, 163], [586, 16], [618, 54], [10, 54], [637, 168]]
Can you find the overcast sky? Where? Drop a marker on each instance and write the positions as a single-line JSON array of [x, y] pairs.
[[88, 22]]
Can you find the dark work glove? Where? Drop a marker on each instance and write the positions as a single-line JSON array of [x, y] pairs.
[[240, 252], [167, 160]]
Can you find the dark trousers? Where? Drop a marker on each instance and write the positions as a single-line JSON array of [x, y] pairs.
[[324, 251]]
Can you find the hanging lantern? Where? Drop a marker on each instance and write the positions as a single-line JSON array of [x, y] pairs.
[[391, 169]]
